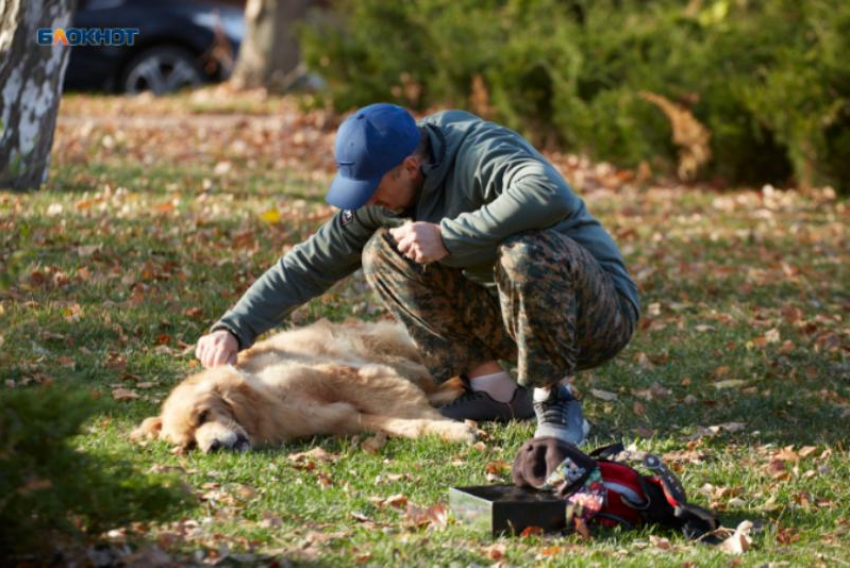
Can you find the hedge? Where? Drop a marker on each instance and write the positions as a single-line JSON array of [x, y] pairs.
[[54, 495], [767, 80]]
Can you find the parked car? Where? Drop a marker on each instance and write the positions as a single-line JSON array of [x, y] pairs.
[[180, 43]]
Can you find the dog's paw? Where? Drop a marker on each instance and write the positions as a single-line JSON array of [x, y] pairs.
[[460, 432], [147, 430]]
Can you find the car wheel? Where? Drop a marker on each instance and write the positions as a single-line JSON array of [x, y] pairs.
[[161, 70]]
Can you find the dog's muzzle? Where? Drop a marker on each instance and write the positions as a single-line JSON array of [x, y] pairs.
[[239, 443]]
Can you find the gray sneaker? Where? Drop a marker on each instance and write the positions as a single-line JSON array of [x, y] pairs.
[[560, 416], [480, 406]]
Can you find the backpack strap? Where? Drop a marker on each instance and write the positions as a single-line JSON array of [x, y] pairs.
[[673, 489], [607, 452]]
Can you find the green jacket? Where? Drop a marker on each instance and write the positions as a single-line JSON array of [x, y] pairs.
[[484, 184]]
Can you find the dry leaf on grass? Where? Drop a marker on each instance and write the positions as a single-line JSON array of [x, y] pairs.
[[604, 395], [316, 454], [398, 501], [124, 394], [360, 517], [374, 444], [495, 470], [436, 516], [729, 384], [494, 551], [740, 540], [531, 531], [270, 520], [660, 543]]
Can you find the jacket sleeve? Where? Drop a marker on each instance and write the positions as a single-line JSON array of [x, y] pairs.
[[305, 272], [534, 197]]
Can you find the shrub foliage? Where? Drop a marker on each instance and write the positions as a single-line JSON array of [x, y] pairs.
[[769, 79], [50, 491]]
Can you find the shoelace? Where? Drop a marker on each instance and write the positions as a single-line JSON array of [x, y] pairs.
[[553, 410]]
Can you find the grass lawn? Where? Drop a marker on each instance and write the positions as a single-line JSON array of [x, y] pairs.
[[158, 214]]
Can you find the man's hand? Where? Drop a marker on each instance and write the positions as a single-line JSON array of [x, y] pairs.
[[421, 242], [217, 348]]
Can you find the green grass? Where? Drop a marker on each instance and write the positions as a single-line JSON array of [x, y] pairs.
[[139, 242]]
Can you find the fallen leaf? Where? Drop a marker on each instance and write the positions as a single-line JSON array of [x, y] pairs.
[[324, 479], [740, 540], [398, 501], [195, 312], [271, 216], [806, 451], [494, 551], [603, 395], [436, 516], [245, 491], [360, 517], [581, 528], [551, 551], [660, 543], [772, 336], [531, 531], [270, 520], [728, 426], [728, 384], [787, 535], [72, 312], [787, 454], [124, 394], [497, 467], [721, 371], [317, 454], [374, 444], [777, 469]]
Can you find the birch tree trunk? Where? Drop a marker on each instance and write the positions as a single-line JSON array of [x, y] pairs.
[[31, 78], [269, 55]]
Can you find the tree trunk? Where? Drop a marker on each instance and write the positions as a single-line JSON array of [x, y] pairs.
[[31, 78], [269, 56]]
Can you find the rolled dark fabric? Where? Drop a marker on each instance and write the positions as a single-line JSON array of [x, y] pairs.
[[551, 464]]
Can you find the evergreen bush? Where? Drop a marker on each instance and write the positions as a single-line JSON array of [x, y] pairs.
[[50, 491], [769, 79]]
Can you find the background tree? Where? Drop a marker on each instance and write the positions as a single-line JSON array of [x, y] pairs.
[[269, 56], [30, 88]]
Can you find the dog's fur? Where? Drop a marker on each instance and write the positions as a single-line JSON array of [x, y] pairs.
[[322, 379]]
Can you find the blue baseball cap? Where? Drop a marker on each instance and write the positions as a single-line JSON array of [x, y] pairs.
[[371, 142]]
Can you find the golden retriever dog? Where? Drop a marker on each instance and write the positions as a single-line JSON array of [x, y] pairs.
[[325, 378]]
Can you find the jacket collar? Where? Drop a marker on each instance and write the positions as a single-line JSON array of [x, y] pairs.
[[435, 171]]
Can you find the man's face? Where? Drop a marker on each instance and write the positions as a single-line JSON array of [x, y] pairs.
[[399, 187]]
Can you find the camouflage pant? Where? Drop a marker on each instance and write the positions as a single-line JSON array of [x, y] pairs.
[[555, 311]]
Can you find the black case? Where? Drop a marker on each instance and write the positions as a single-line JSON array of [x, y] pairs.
[[507, 509]]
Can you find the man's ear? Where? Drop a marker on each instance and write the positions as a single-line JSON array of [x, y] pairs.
[[411, 164], [147, 430]]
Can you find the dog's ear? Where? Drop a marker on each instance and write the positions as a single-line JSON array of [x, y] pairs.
[[244, 404], [147, 430]]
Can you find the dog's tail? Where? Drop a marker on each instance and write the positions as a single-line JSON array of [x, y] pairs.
[[446, 392]]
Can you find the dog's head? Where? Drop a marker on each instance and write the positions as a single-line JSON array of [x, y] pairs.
[[209, 410]]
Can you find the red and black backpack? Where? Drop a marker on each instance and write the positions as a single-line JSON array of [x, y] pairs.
[[604, 487]]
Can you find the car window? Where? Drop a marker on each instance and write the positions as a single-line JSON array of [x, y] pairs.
[[100, 4]]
